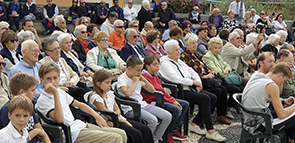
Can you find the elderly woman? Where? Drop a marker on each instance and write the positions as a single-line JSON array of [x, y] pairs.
[[23, 36], [212, 31], [202, 40], [103, 57], [81, 45], [91, 30], [186, 27], [135, 25], [214, 61], [283, 37], [153, 46], [264, 19], [230, 23], [246, 21], [9, 40], [271, 43], [176, 71], [83, 20], [66, 52], [193, 59], [279, 23], [176, 33]]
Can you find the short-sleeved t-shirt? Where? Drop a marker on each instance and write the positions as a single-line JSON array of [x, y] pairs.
[[4, 120], [45, 104], [109, 101], [124, 80], [10, 135]]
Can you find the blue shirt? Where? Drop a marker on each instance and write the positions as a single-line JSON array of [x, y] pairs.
[[165, 35], [4, 120], [216, 21], [119, 11], [22, 66]]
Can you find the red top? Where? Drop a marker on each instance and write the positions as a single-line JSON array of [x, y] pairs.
[[85, 45], [154, 80]]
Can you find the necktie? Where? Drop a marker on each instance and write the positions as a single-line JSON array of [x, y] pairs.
[[139, 51]]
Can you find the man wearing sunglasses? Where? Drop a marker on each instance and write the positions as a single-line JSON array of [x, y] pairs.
[[236, 57], [102, 12], [50, 11], [116, 38], [4, 91], [87, 9]]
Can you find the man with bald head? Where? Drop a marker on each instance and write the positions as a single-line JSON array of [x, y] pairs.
[[4, 90], [171, 24], [131, 47], [102, 12], [28, 64], [147, 27], [144, 14]]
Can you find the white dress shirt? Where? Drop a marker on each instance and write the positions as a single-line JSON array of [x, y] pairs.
[[128, 15]]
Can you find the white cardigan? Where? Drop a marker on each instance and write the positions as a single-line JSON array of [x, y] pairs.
[[92, 55]]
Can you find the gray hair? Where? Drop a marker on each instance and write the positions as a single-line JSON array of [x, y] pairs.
[[127, 32], [116, 23], [62, 37], [168, 46], [26, 44], [145, 3], [56, 33], [238, 30], [78, 29], [189, 38], [282, 33], [232, 35], [272, 38], [56, 19], [170, 22], [215, 9], [46, 42], [146, 23], [23, 35], [113, 14], [250, 38], [3, 24]]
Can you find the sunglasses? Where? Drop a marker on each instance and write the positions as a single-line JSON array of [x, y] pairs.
[[82, 2], [239, 38], [262, 13], [12, 41], [135, 26], [83, 32], [4, 28], [54, 50], [188, 26], [75, 2], [4, 64], [120, 26], [86, 22]]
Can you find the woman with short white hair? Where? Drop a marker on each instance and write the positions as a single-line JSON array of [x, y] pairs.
[[271, 43], [81, 45], [283, 37], [175, 70]]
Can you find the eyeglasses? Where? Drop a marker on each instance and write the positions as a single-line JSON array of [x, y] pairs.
[[135, 26], [82, 2], [84, 22], [12, 41], [135, 36], [83, 32], [120, 26], [4, 28], [262, 13], [54, 50], [2, 63], [105, 40], [188, 26]]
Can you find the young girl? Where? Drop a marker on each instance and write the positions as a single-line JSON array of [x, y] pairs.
[[176, 107], [103, 98]]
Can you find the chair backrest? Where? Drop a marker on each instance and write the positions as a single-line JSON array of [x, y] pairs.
[[117, 94]]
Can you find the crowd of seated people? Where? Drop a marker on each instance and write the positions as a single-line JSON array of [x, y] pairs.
[[56, 71]]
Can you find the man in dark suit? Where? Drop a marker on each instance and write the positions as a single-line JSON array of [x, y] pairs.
[[131, 47]]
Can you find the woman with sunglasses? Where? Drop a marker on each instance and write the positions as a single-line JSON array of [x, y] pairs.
[[279, 23], [9, 40], [104, 57], [186, 27], [264, 19], [153, 46], [81, 45]]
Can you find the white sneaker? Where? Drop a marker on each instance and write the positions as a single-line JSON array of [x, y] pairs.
[[229, 115], [215, 136], [196, 129]]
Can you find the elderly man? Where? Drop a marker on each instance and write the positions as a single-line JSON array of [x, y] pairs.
[[144, 14], [236, 57], [165, 15], [147, 27], [237, 6], [28, 64], [254, 16], [171, 24], [131, 47], [28, 25], [116, 8], [61, 25], [102, 12], [265, 61], [4, 88], [116, 38], [216, 18], [130, 13], [108, 26]]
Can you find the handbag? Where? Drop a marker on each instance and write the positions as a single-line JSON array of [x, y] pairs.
[[212, 82], [233, 78]]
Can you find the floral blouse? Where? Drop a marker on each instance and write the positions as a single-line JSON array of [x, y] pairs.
[[227, 24]]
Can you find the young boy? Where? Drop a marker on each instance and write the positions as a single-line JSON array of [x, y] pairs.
[[23, 83], [54, 104], [130, 84], [20, 109]]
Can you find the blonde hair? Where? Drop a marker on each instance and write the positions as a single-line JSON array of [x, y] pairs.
[[20, 81], [195, 8], [21, 102], [230, 12], [213, 41], [131, 23], [99, 35]]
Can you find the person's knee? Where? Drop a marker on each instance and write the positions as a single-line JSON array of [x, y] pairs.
[[167, 117]]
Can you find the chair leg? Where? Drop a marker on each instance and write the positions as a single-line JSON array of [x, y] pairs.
[[185, 123]]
